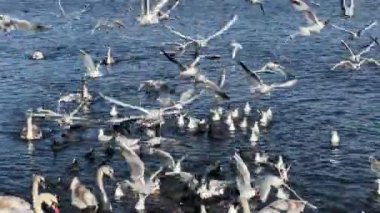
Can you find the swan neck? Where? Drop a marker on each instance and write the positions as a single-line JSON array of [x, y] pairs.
[[245, 205], [99, 178]]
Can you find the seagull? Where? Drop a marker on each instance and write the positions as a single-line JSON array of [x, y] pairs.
[[257, 85], [203, 42], [358, 33], [131, 143], [315, 25], [357, 57], [30, 131], [349, 64], [335, 139], [211, 86], [259, 2], [266, 117], [247, 108], [113, 111], [139, 184], [108, 24], [37, 55], [235, 48], [8, 24], [348, 10], [92, 70], [168, 160], [186, 71], [109, 59], [154, 16], [272, 67]]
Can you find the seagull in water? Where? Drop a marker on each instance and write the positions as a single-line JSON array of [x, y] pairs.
[[335, 139], [348, 10], [92, 71], [358, 33], [257, 85], [315, 25], [8, 24]]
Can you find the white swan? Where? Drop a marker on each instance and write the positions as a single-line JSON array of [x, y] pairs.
[[18, 205], [30, 131], [83, 198]]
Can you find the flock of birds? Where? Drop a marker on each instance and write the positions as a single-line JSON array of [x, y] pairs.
[[245, 191]]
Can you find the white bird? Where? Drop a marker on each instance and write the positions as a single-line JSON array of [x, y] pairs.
[[139, 184], [358, 33], [168, 161], [254, 138], [8, 24], [335, 139], [256, 128], [257, 85], [92, 71], [155, 15], [244, 123], [186, 71], [203, 42], [129, 142], [261, 157], [113, 111], [193, 124], [216, 116], [266, 117], [247, 108], [315, 25], [37, 55], [181, 120], [265, 184], [13, 204], [348, 9], [378, 186], [30, 131], [229, 121], [235, 48], [109, 60], [102, 137], [243, 179], [349, 64], [356, 57]]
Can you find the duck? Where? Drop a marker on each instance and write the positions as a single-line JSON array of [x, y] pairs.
[[82, 197], [17, 204], [30, 131]]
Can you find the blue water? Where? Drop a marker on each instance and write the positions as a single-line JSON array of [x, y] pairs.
[[335, 181]]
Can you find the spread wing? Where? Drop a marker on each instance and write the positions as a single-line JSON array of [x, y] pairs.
[[117, 102], [224, 28], [135, 163], [243, 172], [254, 78]]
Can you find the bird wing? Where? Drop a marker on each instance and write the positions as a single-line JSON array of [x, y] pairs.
[[255, 79], [285, 84], [186, 95], [213, 87], [87, 61], [188, 38], [367, 48], [172, 59], [117, 102], [159, 6], [242, 168], [343, 29], [224, 28], [347, 47], [367, 27], [311, 17], [134, 161], [165, 158], [222, 79], [299, 5], [172, 7]]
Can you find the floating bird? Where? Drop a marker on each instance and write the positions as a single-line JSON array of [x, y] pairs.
[[348, 10], [113, 111], [40, 201], [257, 85], [109, 59], [30, 131], [247, 108], [37, 55], [356, 34], [92, 71], [8, 24], [335, 139]]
